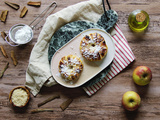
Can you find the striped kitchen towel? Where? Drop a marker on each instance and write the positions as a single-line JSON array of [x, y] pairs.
[[123, 57]]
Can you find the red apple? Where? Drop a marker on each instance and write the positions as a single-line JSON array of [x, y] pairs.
[[131, 100], [142, 75]]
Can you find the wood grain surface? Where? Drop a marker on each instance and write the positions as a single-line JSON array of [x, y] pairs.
[[106, 103]]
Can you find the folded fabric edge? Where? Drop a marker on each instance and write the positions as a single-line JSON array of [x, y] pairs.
[[35, 81], [34, 90], [47, 83]]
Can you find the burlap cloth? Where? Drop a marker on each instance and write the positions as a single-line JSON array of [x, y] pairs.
[[38, 72]]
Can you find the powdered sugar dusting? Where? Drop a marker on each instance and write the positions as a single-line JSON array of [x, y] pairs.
[[90, 46], [23, 35], [70, 67]]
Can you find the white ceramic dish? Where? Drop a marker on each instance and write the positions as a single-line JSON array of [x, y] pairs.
[[90, 69]]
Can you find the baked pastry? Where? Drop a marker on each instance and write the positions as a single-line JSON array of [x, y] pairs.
[[93, 47], [70, 67]]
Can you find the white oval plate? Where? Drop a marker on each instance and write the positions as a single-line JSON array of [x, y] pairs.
[[90, 69]]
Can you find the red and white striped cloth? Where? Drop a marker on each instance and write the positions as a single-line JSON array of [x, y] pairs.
[[123, 57]]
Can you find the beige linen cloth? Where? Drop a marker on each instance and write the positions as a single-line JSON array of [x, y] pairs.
[[38, 72]]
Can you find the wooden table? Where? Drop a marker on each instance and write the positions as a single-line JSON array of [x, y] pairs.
[[106, 103]]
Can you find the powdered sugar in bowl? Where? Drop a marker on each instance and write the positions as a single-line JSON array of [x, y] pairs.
[[20, 34]]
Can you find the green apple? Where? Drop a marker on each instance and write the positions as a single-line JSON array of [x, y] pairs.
[[131, 100], [142, 75]]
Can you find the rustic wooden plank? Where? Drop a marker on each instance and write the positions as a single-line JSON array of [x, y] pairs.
[[106, 103]]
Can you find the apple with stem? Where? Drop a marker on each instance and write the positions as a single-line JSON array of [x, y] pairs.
[[142, 75], [131, 100]]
